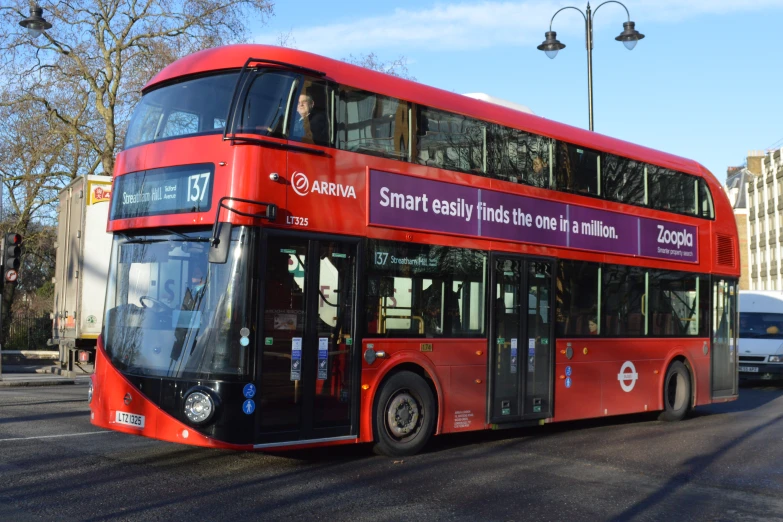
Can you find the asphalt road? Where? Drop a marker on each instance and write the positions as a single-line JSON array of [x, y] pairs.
[[724, 463]]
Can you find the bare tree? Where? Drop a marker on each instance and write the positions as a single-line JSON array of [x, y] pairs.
[[66, 98], [104, 50], [395, 67], [37, 158], [286, 40]]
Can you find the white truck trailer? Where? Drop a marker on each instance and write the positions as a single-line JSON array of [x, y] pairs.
[[82, 263]]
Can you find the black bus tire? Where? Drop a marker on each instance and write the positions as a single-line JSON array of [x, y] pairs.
[[404, 415], [676, 393]]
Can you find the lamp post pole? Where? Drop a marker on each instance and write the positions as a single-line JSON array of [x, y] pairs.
[[630, 36]]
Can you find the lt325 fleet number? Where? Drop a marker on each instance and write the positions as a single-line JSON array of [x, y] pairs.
[[296, 220]]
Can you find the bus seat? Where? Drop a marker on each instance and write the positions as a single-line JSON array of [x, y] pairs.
[[635, 324]]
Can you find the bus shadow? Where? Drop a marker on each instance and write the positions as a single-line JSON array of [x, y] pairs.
[[692, 469], [750, 398]]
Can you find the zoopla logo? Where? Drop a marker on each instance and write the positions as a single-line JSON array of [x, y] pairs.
[[300, 183]]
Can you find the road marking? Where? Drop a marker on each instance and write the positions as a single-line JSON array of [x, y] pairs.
[[56, 436]]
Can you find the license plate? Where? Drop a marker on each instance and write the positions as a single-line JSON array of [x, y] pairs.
[[129, 419], [749, 369]]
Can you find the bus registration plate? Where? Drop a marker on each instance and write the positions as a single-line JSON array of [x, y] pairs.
[[129, 419], [749, 369]]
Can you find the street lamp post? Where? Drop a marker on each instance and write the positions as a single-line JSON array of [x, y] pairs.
[[630, 36], [35, 24]]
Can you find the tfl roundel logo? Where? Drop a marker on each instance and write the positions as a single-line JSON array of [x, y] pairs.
[[300, 183]]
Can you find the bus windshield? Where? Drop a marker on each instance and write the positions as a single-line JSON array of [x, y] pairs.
[[170, 313], [200, 106], [192, 107], [761, 325]]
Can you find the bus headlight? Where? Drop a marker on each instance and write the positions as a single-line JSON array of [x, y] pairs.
[[199, 407], [89, 393], [776, 358]]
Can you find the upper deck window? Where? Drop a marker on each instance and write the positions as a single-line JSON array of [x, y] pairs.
[[623, 179], [519, 157], [577, 169], [451, 141], [187, 108], [265, 109], [672, 191], [372, 124]]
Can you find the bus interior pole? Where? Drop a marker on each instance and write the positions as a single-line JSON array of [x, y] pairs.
[[589, 43]]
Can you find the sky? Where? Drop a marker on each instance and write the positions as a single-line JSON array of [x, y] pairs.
[[705, 83]]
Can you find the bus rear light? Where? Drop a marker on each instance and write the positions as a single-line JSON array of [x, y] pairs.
[[365, 387]]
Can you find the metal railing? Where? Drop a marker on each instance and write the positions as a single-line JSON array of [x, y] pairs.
[[28, 331]]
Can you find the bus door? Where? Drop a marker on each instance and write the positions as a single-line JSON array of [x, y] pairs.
[[307, 371], [521, 339], [723, 356]]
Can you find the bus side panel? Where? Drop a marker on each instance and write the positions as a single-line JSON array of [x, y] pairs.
[[577, 382], [620, 376], [466, 403], [457, 367]]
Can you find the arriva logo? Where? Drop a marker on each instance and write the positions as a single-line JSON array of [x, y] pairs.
[[301, 185], [673, 237]]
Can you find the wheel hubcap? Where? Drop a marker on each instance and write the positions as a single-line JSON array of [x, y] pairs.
[[402, 415]]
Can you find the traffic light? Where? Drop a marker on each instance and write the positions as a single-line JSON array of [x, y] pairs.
[[12, 249]]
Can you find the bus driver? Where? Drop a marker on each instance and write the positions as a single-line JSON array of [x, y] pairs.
[[310, 124]]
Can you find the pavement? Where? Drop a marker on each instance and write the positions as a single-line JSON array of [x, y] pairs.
[[39, 379], [42, 375]]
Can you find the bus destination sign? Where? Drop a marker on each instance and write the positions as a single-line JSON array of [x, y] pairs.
[[415, 203], [170, 190]]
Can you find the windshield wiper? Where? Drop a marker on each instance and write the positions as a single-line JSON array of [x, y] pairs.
[[183, 236]]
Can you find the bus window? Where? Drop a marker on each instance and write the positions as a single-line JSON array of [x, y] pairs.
[[265, 108], [622, 179], [577, 297], [181, 109], [706, 209], [622, 292], [451, 141], [372, 124], [671, 191], [677, 304], [519, 157], [577, 169], [310, 122], [437, 291]]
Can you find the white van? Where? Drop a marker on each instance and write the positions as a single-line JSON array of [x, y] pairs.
[[761, 335]]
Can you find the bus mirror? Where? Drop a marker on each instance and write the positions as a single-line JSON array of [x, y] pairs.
[[218, 250]]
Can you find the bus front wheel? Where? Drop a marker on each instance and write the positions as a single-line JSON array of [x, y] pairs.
[[404, 415], [676, 393]]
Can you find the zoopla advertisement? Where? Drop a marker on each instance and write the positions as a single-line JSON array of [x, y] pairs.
[[435, 206]]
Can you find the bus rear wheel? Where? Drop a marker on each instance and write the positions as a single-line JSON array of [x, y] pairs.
[[404, 416], [676, 393]]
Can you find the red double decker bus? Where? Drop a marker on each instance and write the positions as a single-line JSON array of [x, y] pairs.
[[308, 252]]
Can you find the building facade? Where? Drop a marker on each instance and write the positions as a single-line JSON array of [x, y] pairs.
[[764, 226]]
